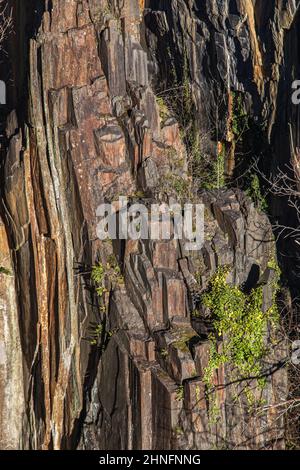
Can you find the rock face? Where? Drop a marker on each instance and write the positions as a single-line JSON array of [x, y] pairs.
[[87, 127], [148, 362], [245, 47]]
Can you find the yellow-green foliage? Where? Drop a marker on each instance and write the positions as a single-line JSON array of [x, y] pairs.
[[104, 274], [208, 169], [180, 393], [98, 277], [220, 168], [254, 191], [4, 271], [217, 176], [240, 323], [164, 112], [178, 431], [163, 352], [96, 334], [177, 186], [240, 119]]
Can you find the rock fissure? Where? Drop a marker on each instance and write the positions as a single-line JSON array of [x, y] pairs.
[[90, 118]]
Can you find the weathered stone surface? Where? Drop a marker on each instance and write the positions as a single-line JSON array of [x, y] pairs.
[[91, 130], [11, 368]]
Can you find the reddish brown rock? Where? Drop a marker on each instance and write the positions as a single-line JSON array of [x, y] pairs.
[[123, 370]]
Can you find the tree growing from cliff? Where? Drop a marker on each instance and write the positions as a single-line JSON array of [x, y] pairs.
[[5, 21]]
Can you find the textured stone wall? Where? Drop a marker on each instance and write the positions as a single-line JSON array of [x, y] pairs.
[[86, 129]]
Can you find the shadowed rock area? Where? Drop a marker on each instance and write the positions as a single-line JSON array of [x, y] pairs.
[[85, 123]]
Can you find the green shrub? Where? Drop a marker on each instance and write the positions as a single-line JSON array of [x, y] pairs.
[[240, 119], [98, 277], [241, 324], [164, 112], [107, 274], [216, 178], [254, 192]]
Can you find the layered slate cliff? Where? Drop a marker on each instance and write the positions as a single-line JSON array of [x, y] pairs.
[[95, 110]]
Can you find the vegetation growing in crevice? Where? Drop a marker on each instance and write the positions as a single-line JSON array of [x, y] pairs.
[[5, 271], [240, 119], [241, 323], [249, 144], [177, 186], [254, 191], [218, 174], [205, 161], [178, 431], [219, 153], [180, 393], [164, 112], [94, 333], [98, 336], [206, 165], [107, 276], [164, 352]]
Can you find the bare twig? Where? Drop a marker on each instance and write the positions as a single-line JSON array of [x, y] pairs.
[[5, 21], [285, 185]]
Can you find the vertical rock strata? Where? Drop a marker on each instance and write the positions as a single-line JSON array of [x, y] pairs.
[[92, 131]]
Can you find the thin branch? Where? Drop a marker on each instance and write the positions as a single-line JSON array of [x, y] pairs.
[[5, 21]]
